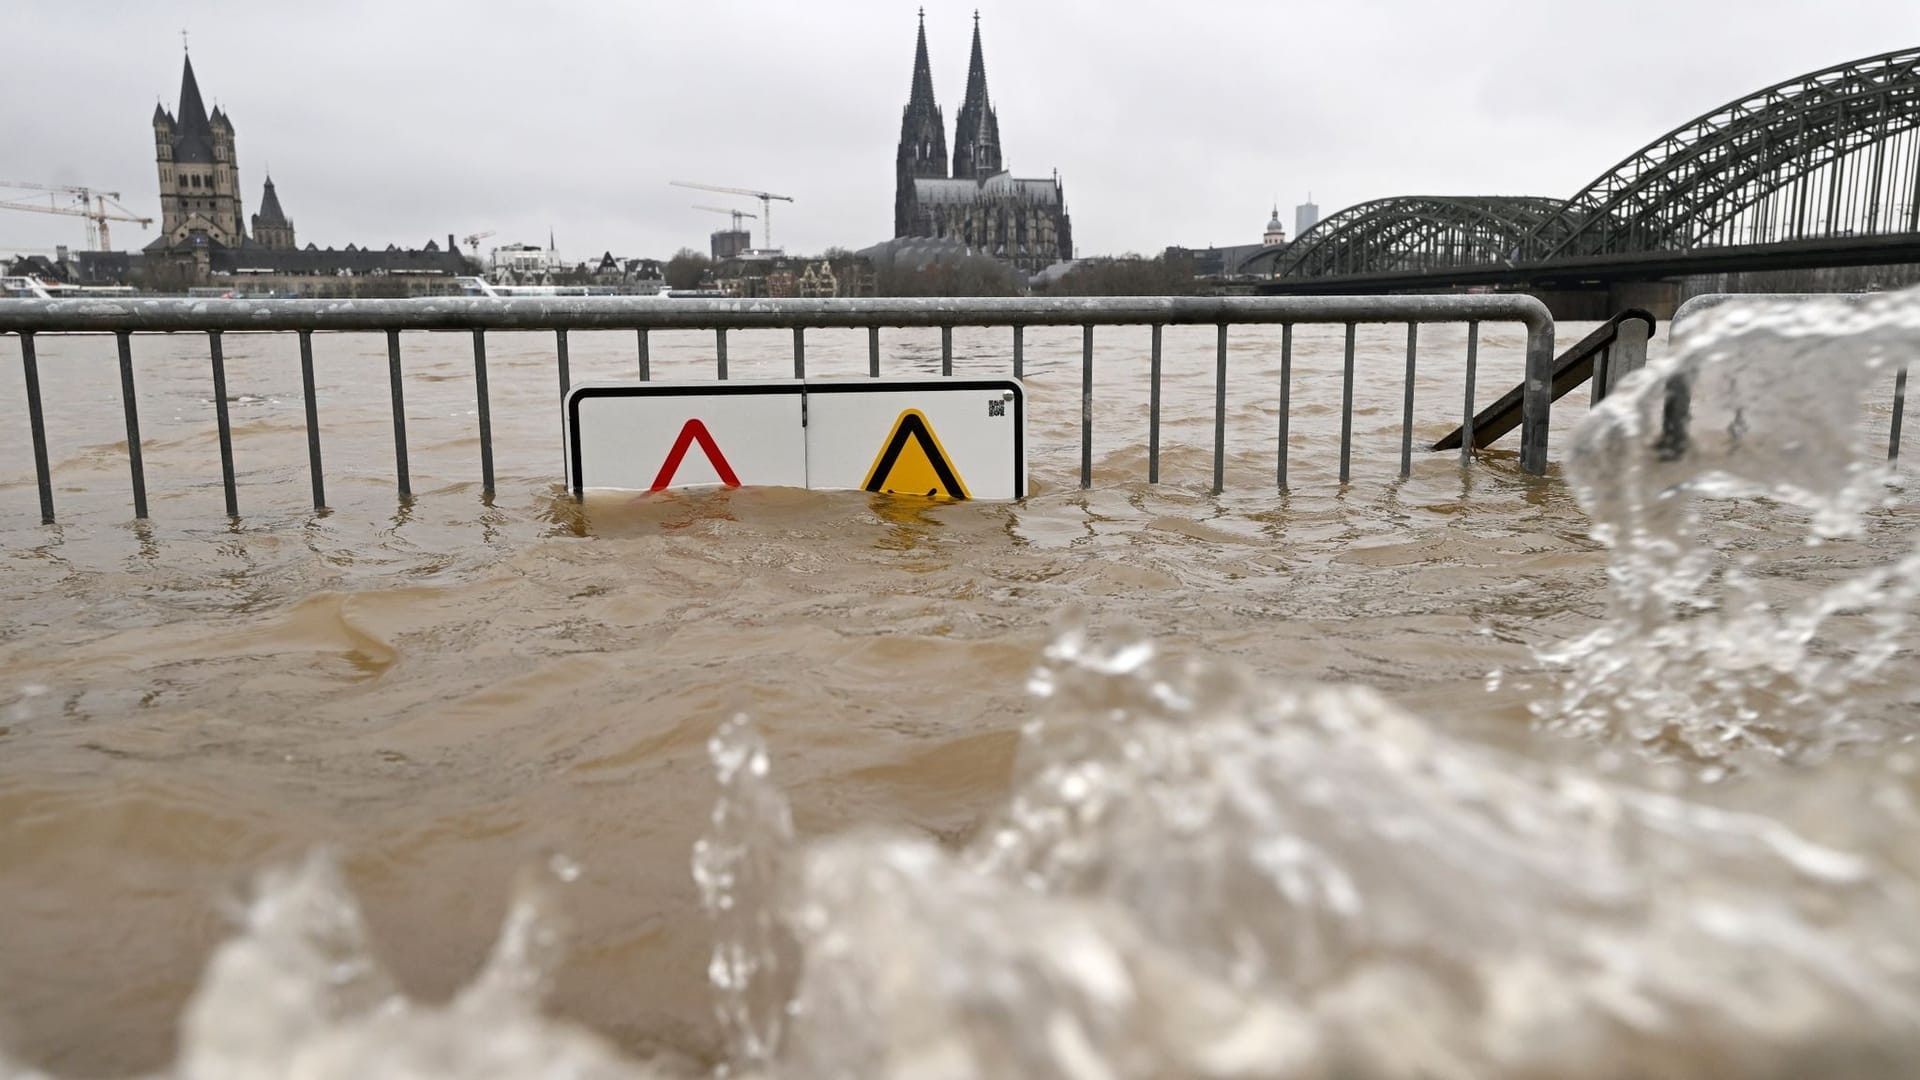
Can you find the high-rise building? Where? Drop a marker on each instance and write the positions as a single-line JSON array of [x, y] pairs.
[[729, 243], [980, 204], [1305, 216]]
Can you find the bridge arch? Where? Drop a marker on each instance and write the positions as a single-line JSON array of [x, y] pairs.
[[1410, 233], [1832, 153]]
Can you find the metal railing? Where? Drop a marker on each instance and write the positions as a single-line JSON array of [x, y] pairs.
[[126, 318], [1693, 306], [1615, 349]]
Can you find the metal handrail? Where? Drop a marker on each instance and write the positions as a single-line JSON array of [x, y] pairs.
[[1592, 357], [125, 317]]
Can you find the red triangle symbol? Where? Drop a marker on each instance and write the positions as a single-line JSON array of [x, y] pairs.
[[694, 429]]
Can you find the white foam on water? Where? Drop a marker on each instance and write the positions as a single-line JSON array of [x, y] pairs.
[[298, 993], [1702, 653], [1198, 874]]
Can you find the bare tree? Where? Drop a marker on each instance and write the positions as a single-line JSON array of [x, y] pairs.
[[1128, 275], [687, 269]]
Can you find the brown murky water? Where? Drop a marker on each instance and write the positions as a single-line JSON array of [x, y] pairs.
[[445, 691]]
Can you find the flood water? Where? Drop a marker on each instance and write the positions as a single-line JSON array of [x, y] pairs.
[[449, 694]]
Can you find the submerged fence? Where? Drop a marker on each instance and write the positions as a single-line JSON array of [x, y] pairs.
[[126, 319]]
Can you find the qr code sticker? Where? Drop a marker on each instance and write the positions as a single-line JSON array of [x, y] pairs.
[[996, 407]]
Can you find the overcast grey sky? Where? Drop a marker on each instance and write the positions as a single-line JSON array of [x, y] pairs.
[[1169, 122]]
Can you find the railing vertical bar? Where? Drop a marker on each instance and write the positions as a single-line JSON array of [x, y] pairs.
[[563, 363], [1286, 397], [1086, 406], [799, 352], [1019, 352], [313, 420], [398, 394], [946, 350], [219, 361], [1899, 407], [1466, 420], [486, 414], [873, 352], [132, 408], [720, 350], [1220, 409], [644, 350], [1536, 400], [37, 422], [1602, 375], [1406, 408], [1346, 413], [1153, 411]]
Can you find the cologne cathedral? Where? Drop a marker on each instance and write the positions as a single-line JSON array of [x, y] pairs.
[[977, 202]]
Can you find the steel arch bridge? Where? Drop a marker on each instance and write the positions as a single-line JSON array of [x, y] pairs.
[[1412, 233], [1816, 165]]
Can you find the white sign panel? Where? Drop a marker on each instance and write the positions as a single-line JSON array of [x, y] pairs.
[[945, 438], [648, 437], [951, 438]]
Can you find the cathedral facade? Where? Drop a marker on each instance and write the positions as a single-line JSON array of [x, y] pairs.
[[975, 200]]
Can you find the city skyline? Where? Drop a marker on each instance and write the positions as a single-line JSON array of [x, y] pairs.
[[1180, 132]]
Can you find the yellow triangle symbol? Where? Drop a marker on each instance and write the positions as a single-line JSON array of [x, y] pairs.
[[912, 462]]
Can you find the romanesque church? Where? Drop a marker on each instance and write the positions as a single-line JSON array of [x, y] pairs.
[[205, 233], [978, 202], [200, 181]]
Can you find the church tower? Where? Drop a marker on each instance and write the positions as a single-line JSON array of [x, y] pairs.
[[976, 138], [271, 226], [923, 137], [199, 172]]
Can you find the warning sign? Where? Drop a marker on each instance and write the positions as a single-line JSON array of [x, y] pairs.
[[951, 438], [694, 431], [679, 435], [941, 438], [912, 462]]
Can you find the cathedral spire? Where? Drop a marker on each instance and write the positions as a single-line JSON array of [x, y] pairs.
[[976, 136], [923, 136], [922, 93]]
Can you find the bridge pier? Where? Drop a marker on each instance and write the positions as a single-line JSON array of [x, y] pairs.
[[1659, 299], [1598, 302]]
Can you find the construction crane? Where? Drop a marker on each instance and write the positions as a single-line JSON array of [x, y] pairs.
[[472, 240], [737, 214], [93, 207], [766, 201]]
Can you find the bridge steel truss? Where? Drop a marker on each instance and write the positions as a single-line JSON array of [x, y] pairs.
[[1413, 234], [1833, 153], [1831, 156]]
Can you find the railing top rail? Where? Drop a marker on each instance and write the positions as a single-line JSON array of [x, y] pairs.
[[1694, 305], [618, 313]]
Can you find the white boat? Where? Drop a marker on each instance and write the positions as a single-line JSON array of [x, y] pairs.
[[481, 287], [24, 287]]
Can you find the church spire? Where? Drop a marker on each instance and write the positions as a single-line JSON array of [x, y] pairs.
[[193, 110], [923, 137], [921, 96], [976, 137], [193, 133]]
